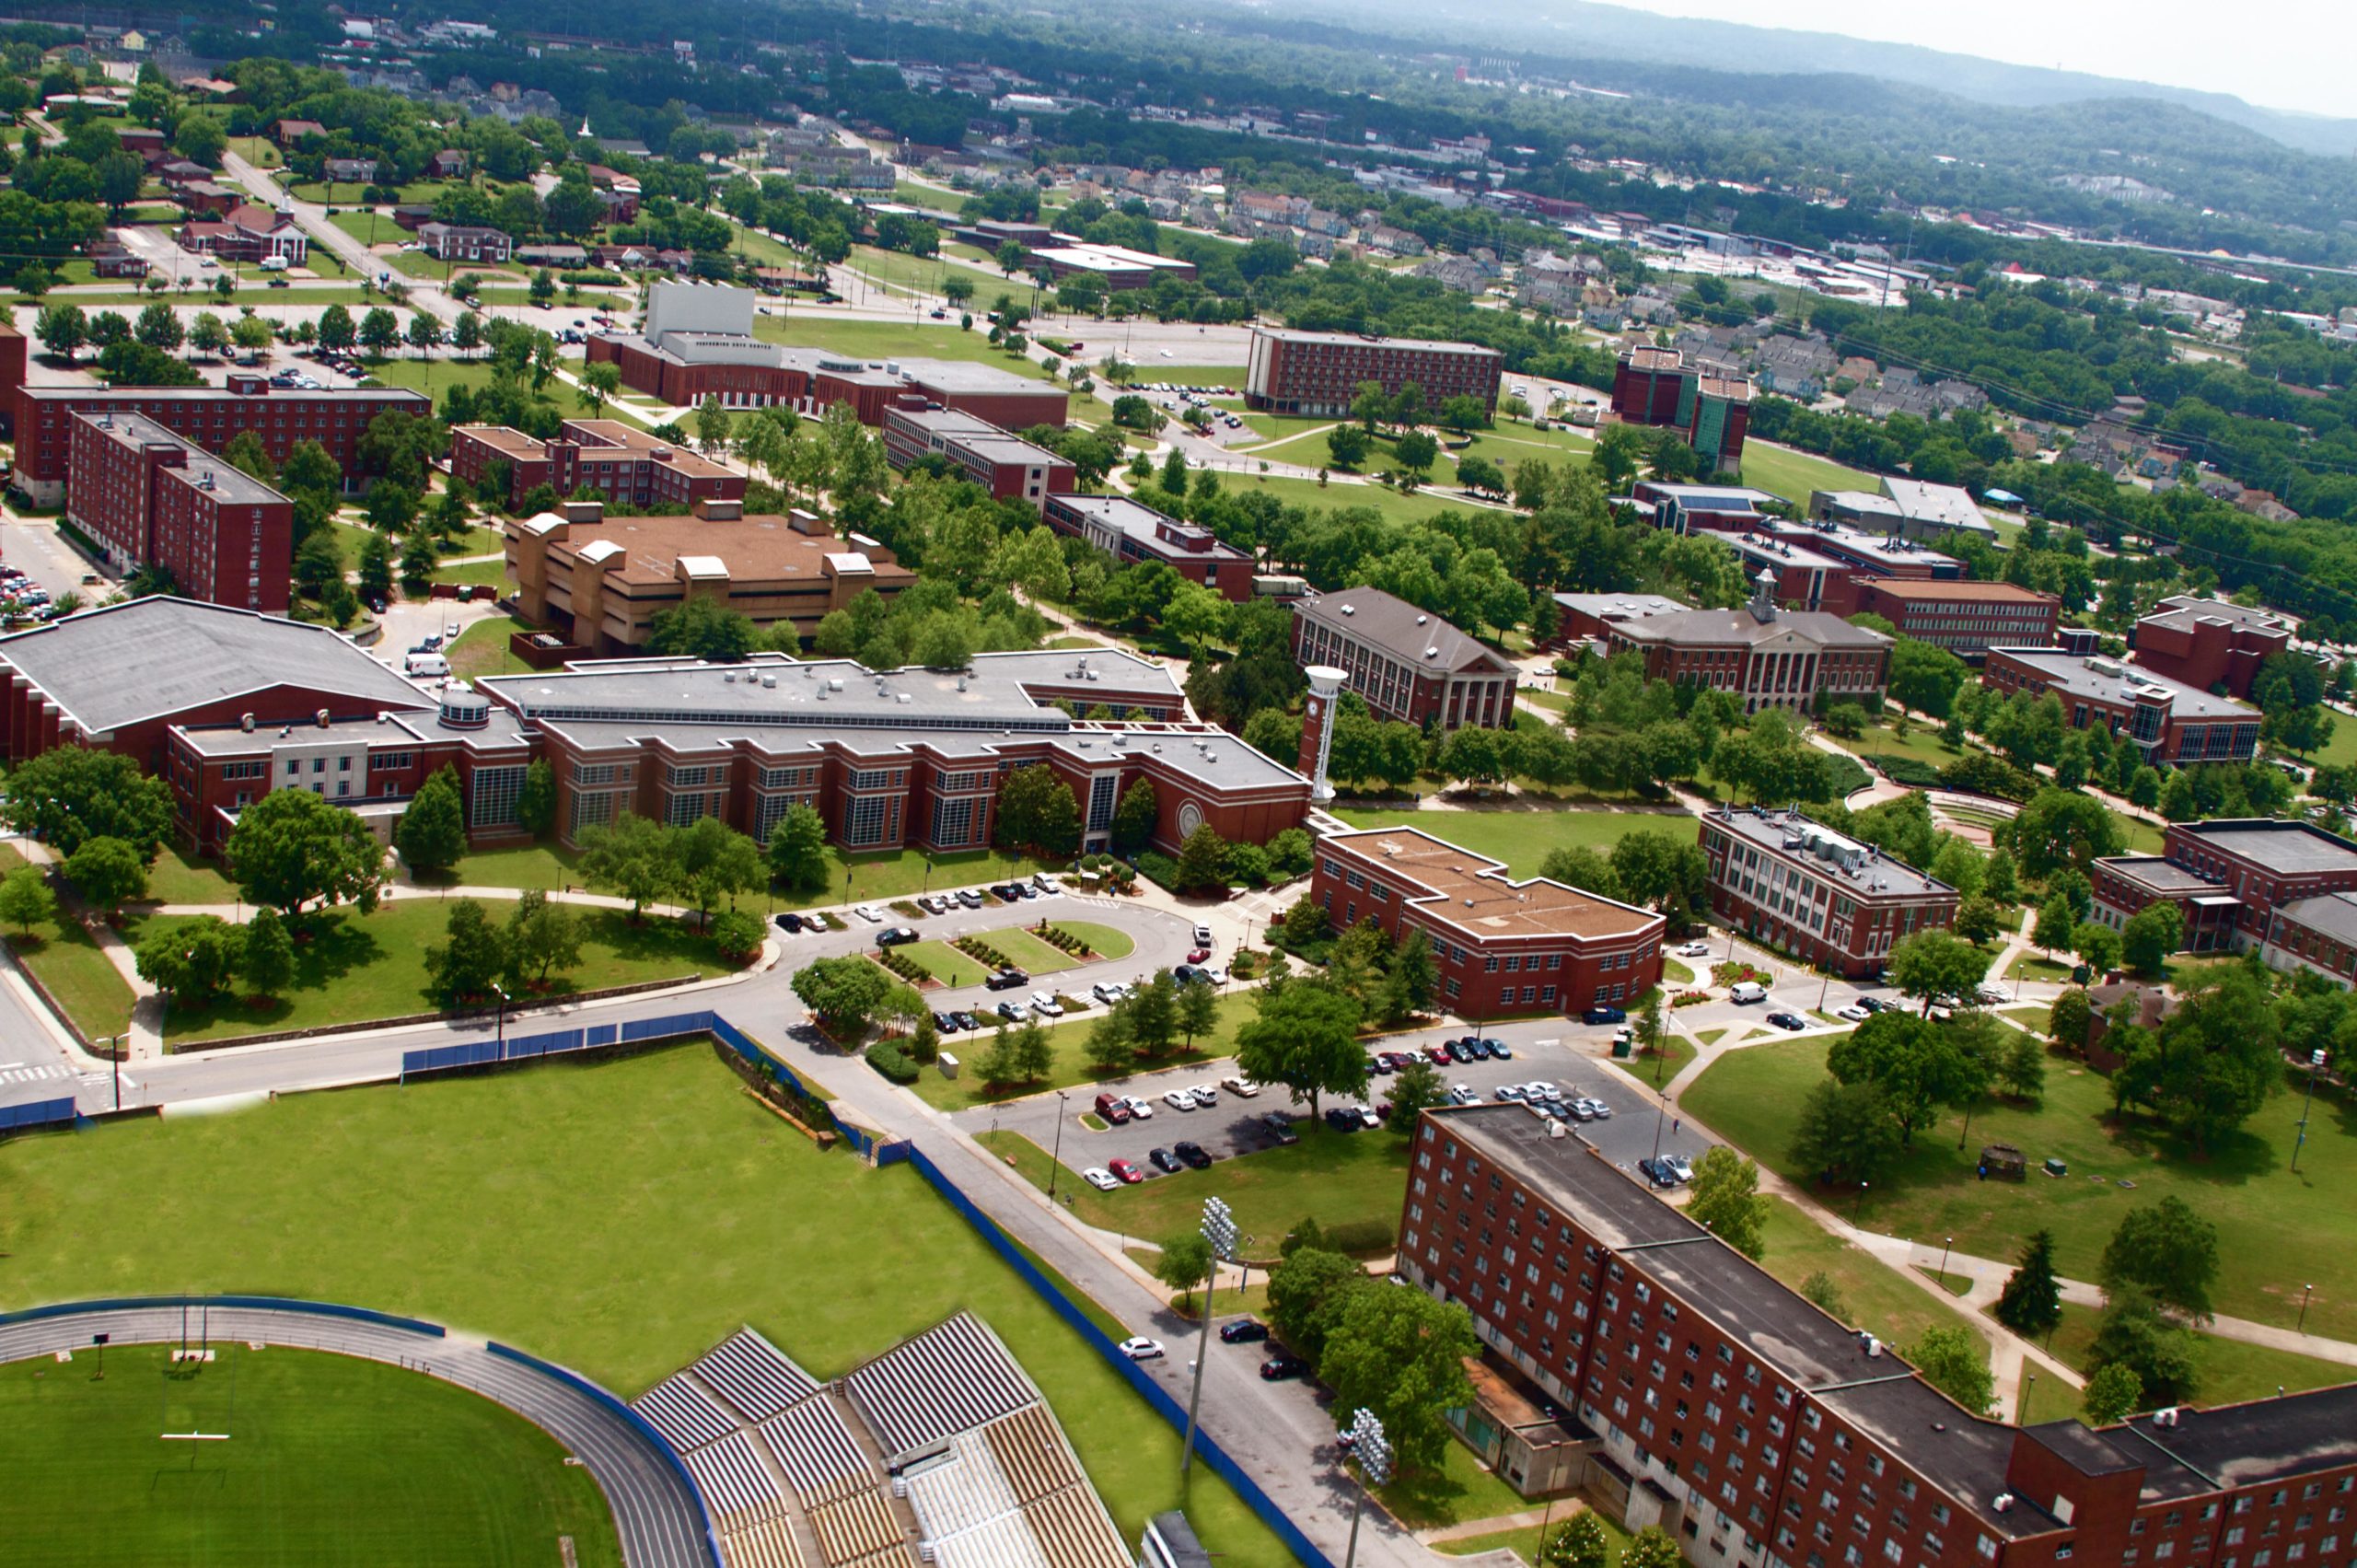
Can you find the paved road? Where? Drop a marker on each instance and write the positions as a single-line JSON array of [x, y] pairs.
[[660, 1523]]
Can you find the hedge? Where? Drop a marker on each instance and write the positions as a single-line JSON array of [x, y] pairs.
[[892, 1062], [1913, 771], [1847, 774]]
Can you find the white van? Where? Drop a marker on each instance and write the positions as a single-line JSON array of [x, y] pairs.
[[273, 263], [416, 665], [1747, 990]]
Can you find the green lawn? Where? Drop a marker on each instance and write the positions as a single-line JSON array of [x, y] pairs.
[[69, 964], [355, 967], [1412, 508], [949, 966], [1334, 1178], [1072, 1067], [1521, 839], [482, 649], [176, 878], [618, 1216], [1278, 426], [1792, 474], [2227, 1371], [1028, 952], [1524, 1542], [1460, 1492], [1876, 1297], [2279, 1230], [372, 227], [1660, 1069], [328, 1459], [546, 866], [892, 339], [1103, 940], [482, 574], [1920, 743]]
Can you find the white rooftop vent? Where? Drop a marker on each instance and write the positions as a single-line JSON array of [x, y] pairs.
[[834, 685], [246, 722], [1350, 610], [961, 683], [728, 678], [1432, 653], [769, 680], [1422, 619], [2168, 1415], [322, 717], [2003, 1501], [904, 699]]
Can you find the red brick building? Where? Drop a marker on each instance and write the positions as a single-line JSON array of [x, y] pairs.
[[1714, 508], [2167, 720], [621, 463], [2229, 877], [149, 498], [1967, 619], [2210, 644], [1768, 657], [1319, 373], [1407, 664], [13, 346], [1010, 468], [1756, 1429], [1129, 530], [1655, 387], [1501, 945], [1804, 578], [210, 417], [1834, 902]]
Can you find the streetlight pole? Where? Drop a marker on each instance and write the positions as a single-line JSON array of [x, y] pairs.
[[2306, 1291], [1219, 1229], [1373, 1454], [2315, 1064], [499, 1023], [1056, 1160], [1944, 1245], [2021, 1416]]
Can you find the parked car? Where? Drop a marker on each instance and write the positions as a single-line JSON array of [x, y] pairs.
[[1192, 1153], [1207, 1095], [1463, 1094], [1099, 1178], [1046, 882], [1125, 1171], [1244, 1332], [970, 898], [1788, 1021], [1005, 980], [821, 922], [1113, 1108], [868, 912], [1241, 1087], [1179, 1099], [1694, 950], [1164, 1160], [1855, 1013], [1141, 1107], [1201, 955], [1045, 1002], [1281, 1366], [1606, 1016], [1682, 1165], [1185, 974], [789, 923], [1278, 1126], [1745, 992], [945, 1023], [899, 936], [1658, 1172], [1014, 1012], [967, 1020], [1143, 1349], [1369, 1116], [1202, 936], [1106, 992], [1342, 1118]]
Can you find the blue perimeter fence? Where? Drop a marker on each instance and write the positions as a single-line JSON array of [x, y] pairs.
[[1155, 1394], [677, 1026], [35, 1113]]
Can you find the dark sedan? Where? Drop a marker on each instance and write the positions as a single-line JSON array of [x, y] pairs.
[[1192, 1153], [947, 1022], [1164, 1160], [1281, 1366], [1788, 1020], [1243, 1331]]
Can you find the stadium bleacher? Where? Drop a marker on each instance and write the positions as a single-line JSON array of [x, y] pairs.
[[960, 1492], [1031, 1452], [1074, 1530], [821, 1460], [753, 1377], [856, 1527], [769, 1544], [736, 1484], [686, 1416], [954, 1377]]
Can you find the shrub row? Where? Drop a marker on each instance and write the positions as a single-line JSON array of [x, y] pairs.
[[1057, 936], [1913, 771], [900, 964], [983, 952], [892, 1062]]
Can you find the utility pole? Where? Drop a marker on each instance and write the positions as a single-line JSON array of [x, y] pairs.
[[1219, 1229]]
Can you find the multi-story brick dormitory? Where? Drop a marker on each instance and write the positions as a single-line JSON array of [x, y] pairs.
[[1130, 530], [210, 417], [910, 757], [2231, 877], [1768, 657], [1320, 373], [1724, 1406], [601, 581], [1407, 664], [146, 497], [225, 706], [1501, 945], [2211, 643], [1010, 468], [1804, 888], [2168, 721], [620, 462], [1967, 619], [1712, 410]]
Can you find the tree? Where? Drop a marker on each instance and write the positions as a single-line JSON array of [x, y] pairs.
[[1845, 1132], [1580, 1543], [1935, 963], [208, 333], [1203, 860], [470, 961], [1134, 817], [1037, 811], [843, 995], [1651, 1546], [252, 333], [68, 795], [25, 899], [2168, 1251], [432, 833], [704, 629], [1110, 1047], [543, 935], [2098, 946], [1727, 1202], [2135, 1334], [336, 331], [1953, 1360], [108, 872], [1304, 1035], [536, 802], [1417, 1086], [291, 847], [1820, 1289], [2067, 1021], [1347, 446], [715, 862], [1306, 1296], [2112, 1395], [1401, 1354], [1195, 614], [2021, 1066], [192, 959], [376, 567], [1185, 1261], [1916, 1064], [159, 328], [1998, 880], [798, 849], [267, 957], [2031, 1303], [2061, 828], [634, 858], [1417, 452], [2152, 935], [1198, 1010]]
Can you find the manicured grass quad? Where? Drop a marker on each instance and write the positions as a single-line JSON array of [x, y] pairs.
[[620, 1216], [329, 1460]]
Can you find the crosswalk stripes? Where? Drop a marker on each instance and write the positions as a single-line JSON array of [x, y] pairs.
[[21, 1074]]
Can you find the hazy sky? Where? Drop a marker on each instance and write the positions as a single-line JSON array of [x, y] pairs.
[[2283, 54]]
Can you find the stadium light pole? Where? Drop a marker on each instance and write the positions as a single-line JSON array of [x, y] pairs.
[[1373, 1454], [1219, 1229], [499, 1019], [1056, 1160]]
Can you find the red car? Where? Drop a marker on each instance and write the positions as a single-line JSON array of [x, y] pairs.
[[1129, 1174], [1438, 1056], [1200, 956]]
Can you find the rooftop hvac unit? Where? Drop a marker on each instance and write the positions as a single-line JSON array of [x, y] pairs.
[[1432, 653], [900, 1486], [769, 680], [322, 717], [246, 722], [1350, 610], [2002, 1501], [834, 685], [729, 677], [2167, 1416], [1422, 619], [905, 699]]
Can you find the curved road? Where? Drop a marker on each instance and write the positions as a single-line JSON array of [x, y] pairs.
[[660, 1518]]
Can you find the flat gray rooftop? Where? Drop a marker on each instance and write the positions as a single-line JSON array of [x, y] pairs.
[[2246, 1444], [232, 486], [1359, 340], [1778, 831], [2088, 675], [2295, 849], [2161, 875]]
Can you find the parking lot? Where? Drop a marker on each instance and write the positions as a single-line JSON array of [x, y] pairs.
[[1561, 1052]]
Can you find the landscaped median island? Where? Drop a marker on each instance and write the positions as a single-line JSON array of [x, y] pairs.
[[617, 1213], [1070, 1065]]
